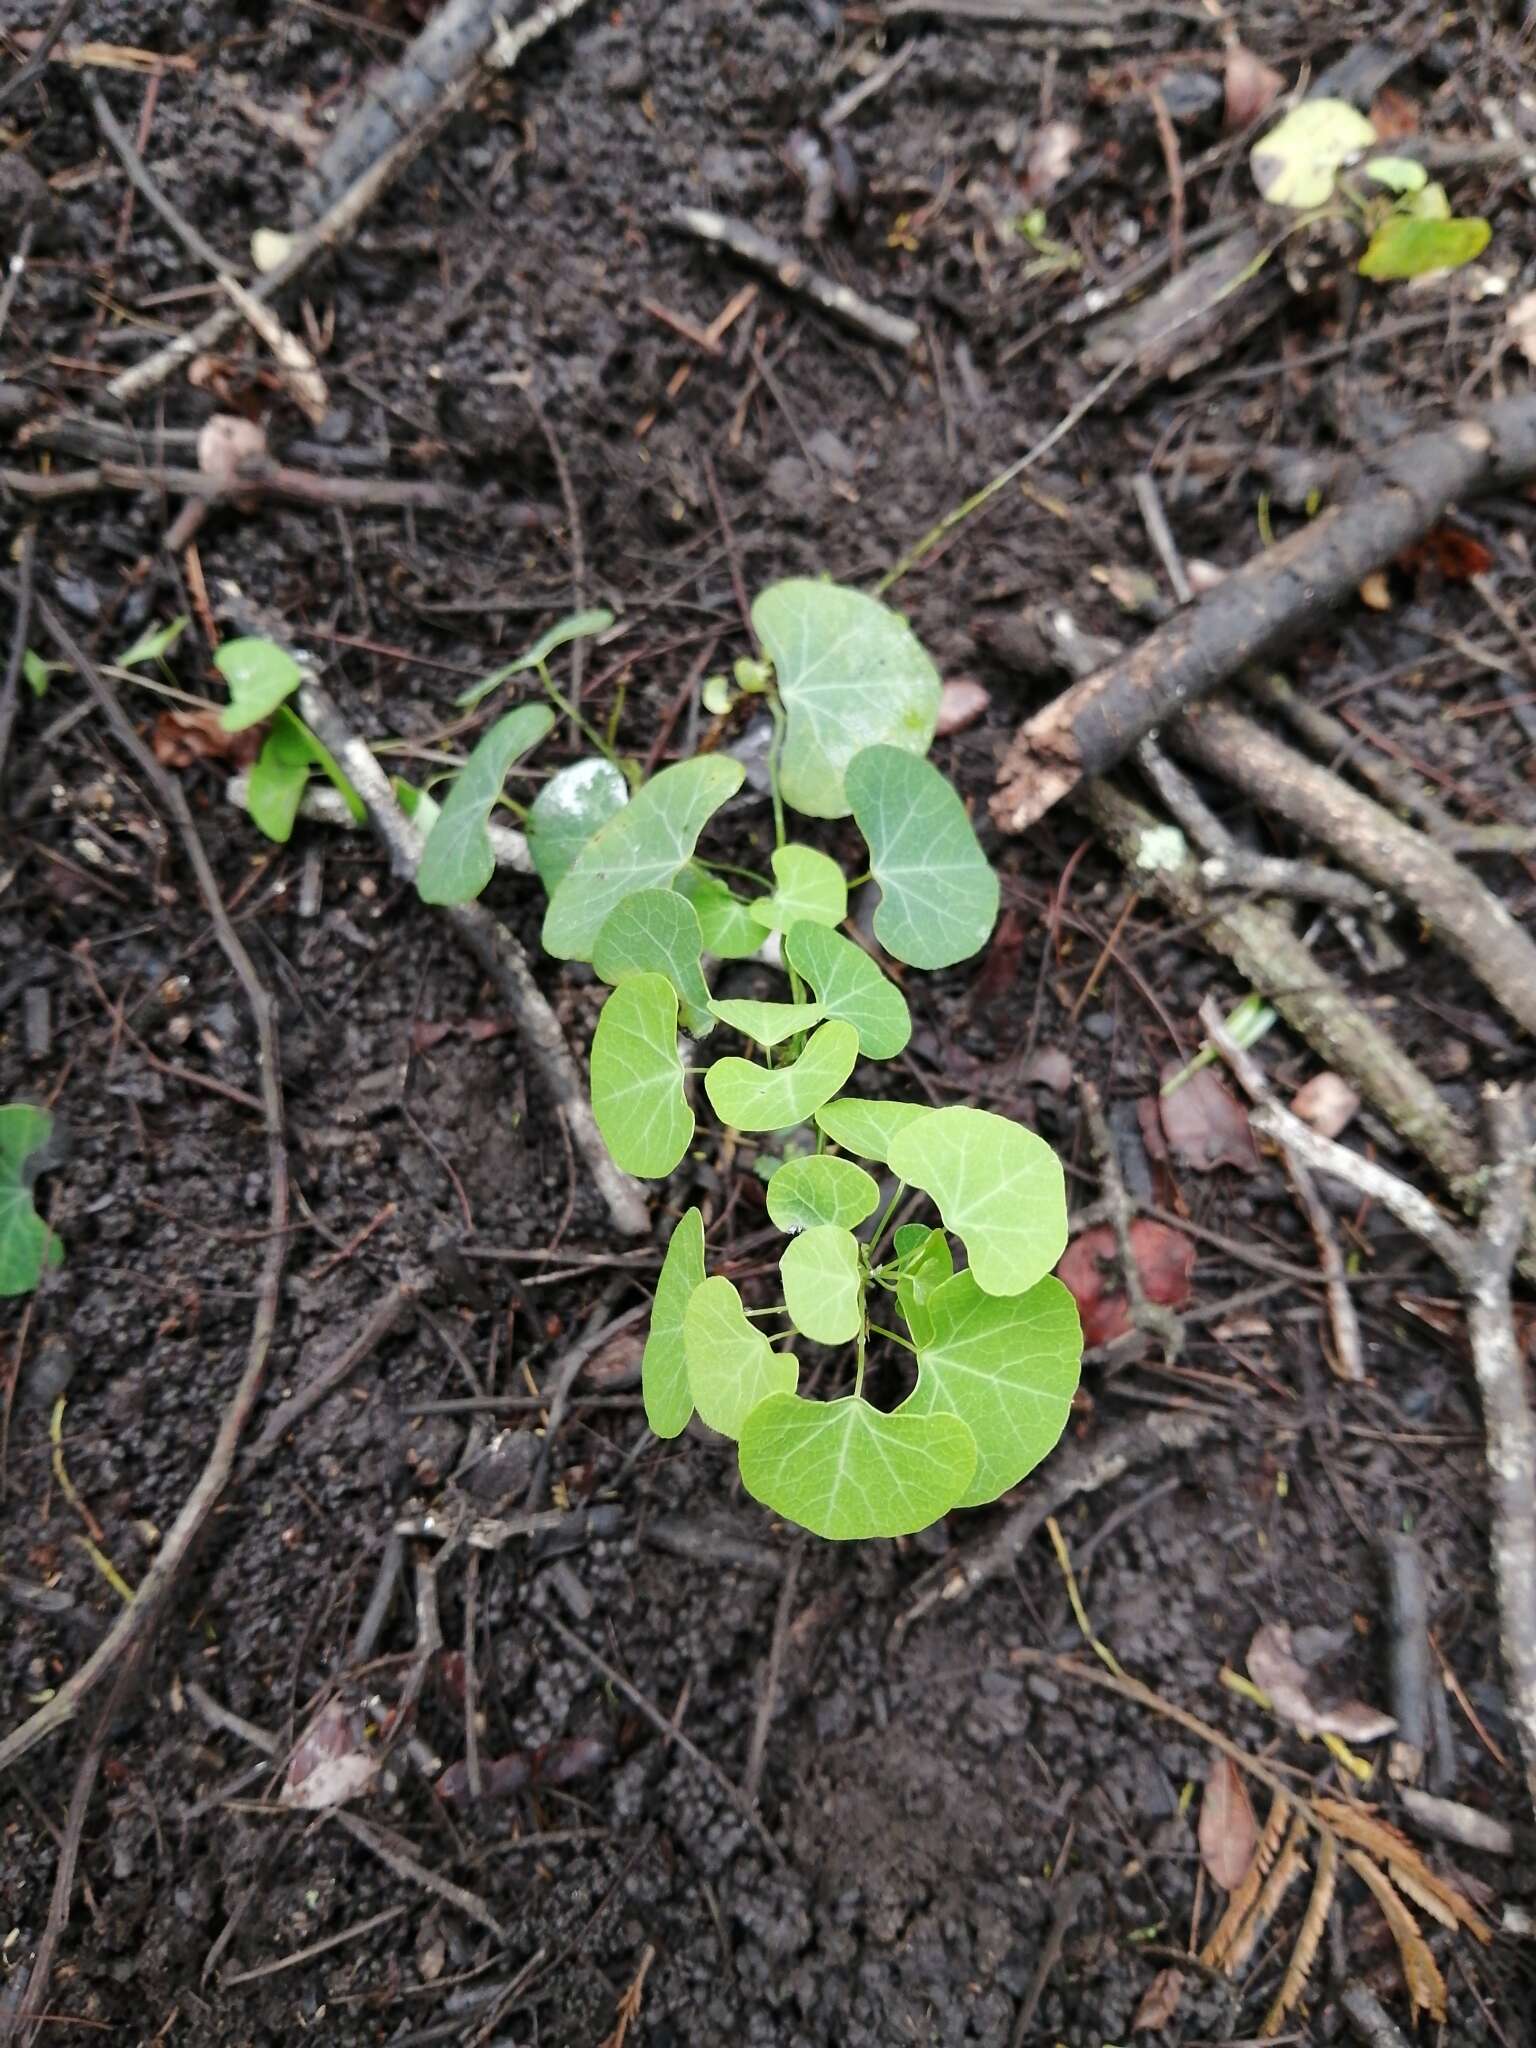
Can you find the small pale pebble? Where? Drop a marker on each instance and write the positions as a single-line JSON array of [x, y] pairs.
[[961, 703]]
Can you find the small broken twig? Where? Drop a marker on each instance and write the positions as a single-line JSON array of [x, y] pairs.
[[1349, 1356], [1481, 1261], [740, 239], [1412, 1669]]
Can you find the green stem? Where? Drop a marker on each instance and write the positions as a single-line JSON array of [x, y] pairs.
[[776, 713], [880, 1227], [880, 1331], [588, 732], [858, 1375]]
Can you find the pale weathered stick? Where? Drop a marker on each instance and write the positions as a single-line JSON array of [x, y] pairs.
[[498, 952], [1481, 1261], [1350, 1356], [752, 246]]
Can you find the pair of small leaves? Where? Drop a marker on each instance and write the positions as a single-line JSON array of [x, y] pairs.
[[458, 861], [27, 1246], [642, 846], [289, 755]]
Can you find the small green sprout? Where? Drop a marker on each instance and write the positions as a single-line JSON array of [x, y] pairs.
[[28, 1248], [1309, 161], [995, 1345]]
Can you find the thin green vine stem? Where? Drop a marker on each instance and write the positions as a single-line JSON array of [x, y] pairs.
[[588, 731], [858, 1371], [776, 713], [890, 1211], [881, 1331]]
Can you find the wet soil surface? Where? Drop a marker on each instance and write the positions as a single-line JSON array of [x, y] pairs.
[[951, 1844]]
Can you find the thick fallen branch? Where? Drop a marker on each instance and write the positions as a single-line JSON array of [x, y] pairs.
[[1281, 593], [1461, 912], [1481, 1261]]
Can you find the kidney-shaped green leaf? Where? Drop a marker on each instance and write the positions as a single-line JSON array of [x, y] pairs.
[[27, 1245], [821, 1189], [656, 931], [1402, 247], [767, 1023], [938, 894], [851, 674], [1008, 1366], [457, 860], [664, 1363], [567, 811], [732, 1368], [637, 1078], [730, 930], [260, 675], [1296, 163], [754, 1098], [848, 984], [641, 847], [810, 887], [868, 1128], [999, 1188], [823, 1287], [844, 1471]]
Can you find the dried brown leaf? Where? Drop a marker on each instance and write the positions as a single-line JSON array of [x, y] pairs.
[[1229, 1834], [1308, 1936], [1050, 159], [1274, 1666], [1205, 1124], [1159, 2002], [182, 737], [226, 443], [1252, 87], [1393, 115], [1089, 1269], [1241, 1902], [961, 702], [1359, 1825], [1327, 1103], [1421, 1973]]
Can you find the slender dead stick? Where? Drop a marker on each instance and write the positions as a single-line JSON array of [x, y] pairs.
[[1090, 727], [138, 1618], [494, 946], [1482, 1261], [752, 246]]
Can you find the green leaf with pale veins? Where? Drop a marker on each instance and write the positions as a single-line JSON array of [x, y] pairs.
[[27, 1246], [638, 1096], [753, 1098], [767, 1023], [848, 984], [458, 860], [567, 811], [1008, 1366], [809, 888], [823, 1286], [641, 847], [260, 675], [821, 1189], [730, 930], [923, 1262], [846, 1472], [664, 1364], [656, 931], [851, 674], [938, 894], [998, 1187], [732, 1368], [868, 1128]]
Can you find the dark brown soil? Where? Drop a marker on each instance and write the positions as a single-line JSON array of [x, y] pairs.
[[924, 1797]]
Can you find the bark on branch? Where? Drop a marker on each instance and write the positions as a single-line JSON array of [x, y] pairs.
[[1281, 593]]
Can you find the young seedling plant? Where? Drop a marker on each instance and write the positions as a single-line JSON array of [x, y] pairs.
[[993, 1340], [1316, 162]]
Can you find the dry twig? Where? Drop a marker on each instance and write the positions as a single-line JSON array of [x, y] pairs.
[[130, 1631], [1481, 1262], [748, 243]]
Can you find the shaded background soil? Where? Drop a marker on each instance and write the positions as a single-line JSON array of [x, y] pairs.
[[922, 1799]]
